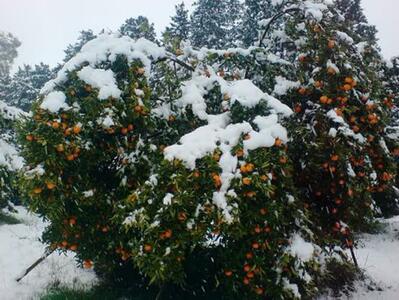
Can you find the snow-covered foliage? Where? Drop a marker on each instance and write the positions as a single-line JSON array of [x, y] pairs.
[[254, 163]]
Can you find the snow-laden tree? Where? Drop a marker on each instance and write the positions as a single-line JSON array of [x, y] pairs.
[[25, 85], [10, 160], [73, 49], [154, 182], [217, 173], [8, 52], [214, 23], [254, 11], [179, 27], [139, 27]]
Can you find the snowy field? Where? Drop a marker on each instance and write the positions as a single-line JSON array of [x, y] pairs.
[[20, 247]]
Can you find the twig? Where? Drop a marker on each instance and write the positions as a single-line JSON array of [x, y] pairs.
[[353, 254], [272, 20], [35, 264]]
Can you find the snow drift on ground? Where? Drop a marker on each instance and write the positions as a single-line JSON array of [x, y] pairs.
[[19, 248]]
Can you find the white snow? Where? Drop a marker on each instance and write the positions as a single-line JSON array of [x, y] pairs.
[[20, 247], [104, 80], [54, 102], [107, 47], [378, 256], [10, 112], [283, 85], [9, 157], [300, 248]]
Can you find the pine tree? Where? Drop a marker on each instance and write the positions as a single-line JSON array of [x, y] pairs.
[[139, 27], [10, 161], [26, 83], [73, 49], [179, 28], [254, 11], [8, 52], [354, 17], [214, 23]]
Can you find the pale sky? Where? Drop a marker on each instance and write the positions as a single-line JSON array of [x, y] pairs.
[[45, 27]]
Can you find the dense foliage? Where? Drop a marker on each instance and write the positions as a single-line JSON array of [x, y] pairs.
[[235, 173]]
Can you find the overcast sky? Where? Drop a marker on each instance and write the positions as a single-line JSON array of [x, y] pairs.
[[45, 27]]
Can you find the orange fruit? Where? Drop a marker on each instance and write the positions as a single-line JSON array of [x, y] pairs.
[[228, 273], [73, 247], [331, 44], [247, 268], [323, 99], [50, 185], [87, 264], [55, 125], [246, 181], [124, 131], [37, 190], [77, 129], [302, 91], [147, 248], [278, 142], [29, 137]]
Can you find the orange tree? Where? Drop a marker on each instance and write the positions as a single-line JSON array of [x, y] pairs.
[[163, 171], [338, 144], [79, 145]]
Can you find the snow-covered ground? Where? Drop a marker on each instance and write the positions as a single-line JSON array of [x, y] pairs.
[[379, 257], [20, 247]]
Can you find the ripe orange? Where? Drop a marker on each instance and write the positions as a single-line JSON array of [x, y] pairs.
[[323, 99], [130, 127], [29, 137], [73, 247], [124, 131], [37, 190], [77, 129], [278, 142], [302, 91], [259, 291], [168, 233], [147, 248], [50, 185], [247, 268], [55, 125], [331, 44], [138, 108], [334, 157], [347, 87], [87, 264], [246, 181], [228, 273]]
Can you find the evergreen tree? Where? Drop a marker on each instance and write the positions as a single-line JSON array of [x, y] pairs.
[[139, 27], [8, 52], [73, 49], [254, 11], [179, 28], [26, 83], [354, 17], [214, 23]]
